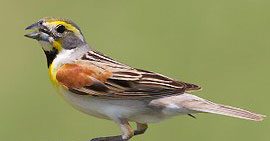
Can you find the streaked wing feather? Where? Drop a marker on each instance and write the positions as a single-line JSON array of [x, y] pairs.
[[128, 82]]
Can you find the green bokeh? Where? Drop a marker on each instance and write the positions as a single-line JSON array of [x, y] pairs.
[[223, 45]]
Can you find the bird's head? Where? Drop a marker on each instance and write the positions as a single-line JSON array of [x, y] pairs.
[[55, 35], [56, 32]]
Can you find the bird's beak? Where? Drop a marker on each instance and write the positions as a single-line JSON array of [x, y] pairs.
[[33, 35], [33, 26], [41, 32]]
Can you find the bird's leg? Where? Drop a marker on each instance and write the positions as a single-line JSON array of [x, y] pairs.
[[127, 133], [141, 128]]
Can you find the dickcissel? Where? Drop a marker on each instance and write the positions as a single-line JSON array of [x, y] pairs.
[[102, 87]]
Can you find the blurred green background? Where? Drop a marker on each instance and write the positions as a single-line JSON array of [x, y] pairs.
[[222, 45]]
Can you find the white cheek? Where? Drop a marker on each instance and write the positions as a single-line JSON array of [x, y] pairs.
[[46, 45]]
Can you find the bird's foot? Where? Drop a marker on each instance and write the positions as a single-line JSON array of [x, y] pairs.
[[110, 138]]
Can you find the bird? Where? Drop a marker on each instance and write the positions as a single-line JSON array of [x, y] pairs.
[[100, 86]]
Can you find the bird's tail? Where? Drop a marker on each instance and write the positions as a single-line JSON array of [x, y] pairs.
[[194, 104], [202, 105]]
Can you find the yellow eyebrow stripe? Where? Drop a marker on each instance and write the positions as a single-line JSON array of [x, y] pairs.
[[57, 43], [68, 26]]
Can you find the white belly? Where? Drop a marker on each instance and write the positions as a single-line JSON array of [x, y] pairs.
[[113, 109], [104, 108]]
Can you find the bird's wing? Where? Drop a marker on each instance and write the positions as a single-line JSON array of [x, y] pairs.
[[98, 75]]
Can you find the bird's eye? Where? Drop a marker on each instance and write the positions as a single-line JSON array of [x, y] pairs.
[[60, 29]]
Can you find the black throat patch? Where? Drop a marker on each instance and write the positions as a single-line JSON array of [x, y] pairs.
[[50, 55]]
